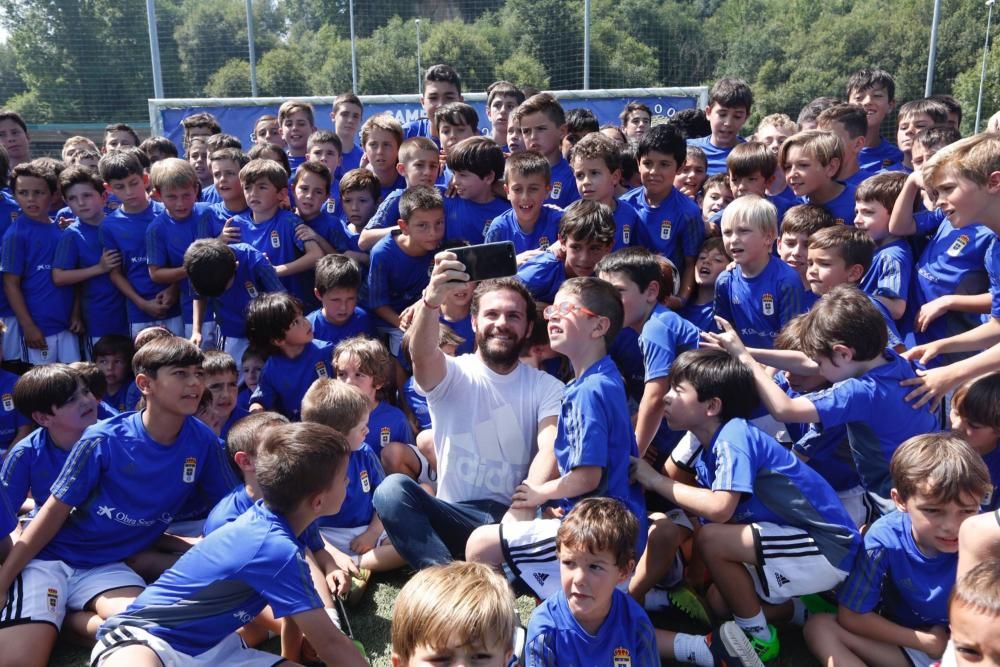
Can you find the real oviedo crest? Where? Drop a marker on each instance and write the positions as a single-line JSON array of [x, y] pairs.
[[767, 302]]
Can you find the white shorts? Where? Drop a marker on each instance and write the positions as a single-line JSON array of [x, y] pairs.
[[394, 338], [46, 589], [428, 475], [209, 335], [63, 348], [231, 651], [341, 538], [686, 452], [859, 505], [13, 349], [790, 564], [529, 551], [174, 325]]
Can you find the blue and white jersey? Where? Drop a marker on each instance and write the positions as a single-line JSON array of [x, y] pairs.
[[31, 466], [387, 423], [364, 474], [104, 310], [11, 418], [358, 324], [254, 276], [469, 221], [673, 228], [627, 223], [168, 238], [505, 227], [543, 275], [395, 278], [889, 274], [716, 156], [563, 192], [759, 307], [283, 381], [881, 156], [29, 248], [275, 238], [840, 207]]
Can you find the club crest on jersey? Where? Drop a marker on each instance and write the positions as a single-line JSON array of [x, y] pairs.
[[621, 657], [959, 244], [665, 230], [486, 226], [190, 465], [320, 369], [8, 402], [543, 243], [52, 598], [366, 485], [331, 206], [887, 162], [626, 234], [384, 435], [839, 221], [556, 189], [768, 303], [251, 289], [275, 239]]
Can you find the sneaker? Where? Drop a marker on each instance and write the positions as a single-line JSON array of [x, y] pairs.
[[657, 599], [769, 648], [359, 584], [730, 647], [817, 604], [687, 600]]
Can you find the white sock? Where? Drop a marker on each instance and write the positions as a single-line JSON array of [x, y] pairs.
[[692, 649], [799, 612], [755, 626]]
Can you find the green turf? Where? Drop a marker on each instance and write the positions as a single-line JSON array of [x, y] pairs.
[[370, 622]]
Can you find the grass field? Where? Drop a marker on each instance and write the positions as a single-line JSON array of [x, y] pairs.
[[370, 622]]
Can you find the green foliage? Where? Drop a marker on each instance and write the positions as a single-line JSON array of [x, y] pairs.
[[230, 80]]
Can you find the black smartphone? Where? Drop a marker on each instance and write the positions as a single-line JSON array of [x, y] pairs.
[[489, 260]]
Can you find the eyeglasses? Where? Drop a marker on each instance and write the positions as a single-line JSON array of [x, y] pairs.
[[565, 308]]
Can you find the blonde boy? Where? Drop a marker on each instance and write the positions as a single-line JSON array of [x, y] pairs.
[[811, 160]]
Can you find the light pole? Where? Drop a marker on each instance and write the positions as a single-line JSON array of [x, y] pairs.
[[986, 55]]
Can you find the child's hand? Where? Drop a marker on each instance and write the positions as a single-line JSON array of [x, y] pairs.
[[196, 337], [922, 353], [557, 250], [110, 260], [153, 307], [76, 324], [34, 338], [642, 473], [406, 318], [932, 310], [930, 387], [526, 497], [528, 254], [363, 543], [168, 296], [339, 582], [728, 340], [933, 640], [343, 561], [230, 232], [305, 233]]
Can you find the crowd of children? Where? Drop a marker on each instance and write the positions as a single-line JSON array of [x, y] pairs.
[[736, 385]]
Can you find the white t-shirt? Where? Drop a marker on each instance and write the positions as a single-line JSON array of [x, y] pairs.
[[486, 427]]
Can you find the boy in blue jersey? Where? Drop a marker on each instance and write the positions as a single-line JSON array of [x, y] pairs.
[[751, 168], [456, 122], [800, 223], [845, 337], [401, 263], [241, 567], [761, 293], [729, 103], [184, 221], [875, 91], [113, 355], [593, 443], [197, 156], [530, 224], [226, 164], [596, 163], [914, 116], [57, 399], [222, 380], [974, 418], [715, 196], [893, 609], [777, 530], [543, 125], [48, 318], [811, 160], [502, 97], [579, 123], [419, 164], [359, 193], [227, 278], [311, 185], [100, 511], [80, 259], [13, 424], [338, 280], [251, 364], [381, 137], [355, 531], [297, 124], [671, 222], [346, 119], [124, 230], [586, 234], [271, 229], [590, 621], [711, 262], [464, 611], [888, 277], [850, 123], [275, 322], [476, 165], [324, 147], [442, 85]]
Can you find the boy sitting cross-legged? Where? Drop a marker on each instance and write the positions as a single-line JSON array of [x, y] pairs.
[[254, 561], [894, 606], [777, 531], [101, 510], [590, 621]]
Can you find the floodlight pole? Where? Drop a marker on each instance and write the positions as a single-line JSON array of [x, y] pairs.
[[420, 76], [586, 44], [253, 56], [982, 73], [154, 49], [354, 51]]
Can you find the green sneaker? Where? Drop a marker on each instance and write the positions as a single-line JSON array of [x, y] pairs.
[[685, 598], [817, 604], [767, 649]]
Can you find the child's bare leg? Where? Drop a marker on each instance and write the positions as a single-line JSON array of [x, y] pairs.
[[483, 546], [291, 640], [725, 549], [136, 655], [398, 457], [260, 629], [382, 559], [80, 627], [151, 563], [665, 538], [425, 443], [27, 645], [835, 646]]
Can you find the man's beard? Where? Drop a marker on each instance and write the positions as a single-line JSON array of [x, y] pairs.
[[499, 353]]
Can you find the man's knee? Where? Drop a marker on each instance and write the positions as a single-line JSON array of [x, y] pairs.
[[394, 492]]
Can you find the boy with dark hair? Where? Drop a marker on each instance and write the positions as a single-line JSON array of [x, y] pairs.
[[79, 257], [48, 318], [455, 122], [716, 195], [124, 230], [596, 163], [729, 103], [338, 281], [118, 136], [267, 131], [975, 418], [73, 548], [14, 137], [313, 204], [691, 175], [197, 156], [201, 124], [346, 118], [502, 97], [251, 364], [56, 398], [400, 265], [381, 138], [586, 234], [543, 125], [476, 164], [751, 167], [275, 323], [954, 108], [579, 123], [531, 224], [753, 491], [300, 470], [222, 381], [359, 197], [157, 148], [914, 116], [894, 606], [850, 123], [224, 279], [636, 119], [297, 124], [711, 262], [226, 164], [800, 223], [875, 90], [113, 355], [888, 278], [671, 222], [324, 146], [590, 621], [593, 442], [442, 85], [270, 229]]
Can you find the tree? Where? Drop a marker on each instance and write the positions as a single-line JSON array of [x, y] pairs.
[[282, 73], [230, 80]]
